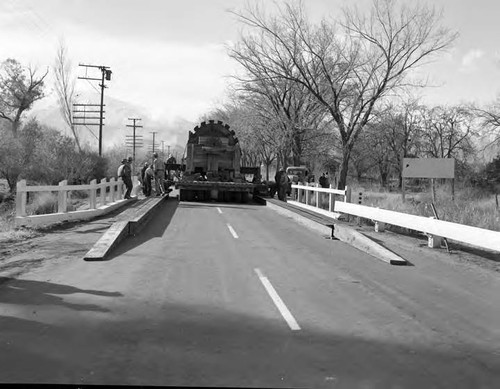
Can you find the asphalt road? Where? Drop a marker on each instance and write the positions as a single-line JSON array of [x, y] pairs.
[[230, 295]]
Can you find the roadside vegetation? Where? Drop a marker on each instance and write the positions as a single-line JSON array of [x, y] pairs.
[[472, 206]]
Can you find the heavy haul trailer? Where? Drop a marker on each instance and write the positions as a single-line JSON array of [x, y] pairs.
[[213, 166]]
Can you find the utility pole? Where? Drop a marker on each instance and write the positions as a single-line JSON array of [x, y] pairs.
[[168, 152], [134, 126], [105, 75], [163, 149], [154, 133]]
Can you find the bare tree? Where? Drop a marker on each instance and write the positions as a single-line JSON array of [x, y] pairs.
[[347, 65], [65, 88], [448, 132], [489, 118], [401, 129], [19, 89], [291, 103]]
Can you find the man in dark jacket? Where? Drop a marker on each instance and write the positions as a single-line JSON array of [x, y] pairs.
[[282, 181], [127, 177], [323, 181], [146, 184]]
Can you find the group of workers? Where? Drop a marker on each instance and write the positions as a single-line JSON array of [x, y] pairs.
[[154, 172]]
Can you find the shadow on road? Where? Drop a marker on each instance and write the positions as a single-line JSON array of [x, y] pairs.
[[201, 345], [30, 292], [155, 228]]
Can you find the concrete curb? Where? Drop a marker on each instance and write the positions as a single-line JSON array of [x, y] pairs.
[[343, 233], [110, 239], [140, 221], [121, 229]]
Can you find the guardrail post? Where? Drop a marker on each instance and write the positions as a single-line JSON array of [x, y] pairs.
[[434, 241], [299, 194], [379, 226], [360, 199], [21, 198], [93, 194], [62, 198], [112, 184], [307, 195], [102, 194], [119, 188]]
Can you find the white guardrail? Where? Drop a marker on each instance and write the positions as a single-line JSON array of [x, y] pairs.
[[436, 229], [110, 198], [312, 197]]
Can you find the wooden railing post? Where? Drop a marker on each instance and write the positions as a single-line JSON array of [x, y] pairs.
[[307, 195], [21, 198], [317, 196], [331, 200], [93, 194], [102, 194], [300, 195], [347, 195], [119, 188], [112, 184], [62, 198]]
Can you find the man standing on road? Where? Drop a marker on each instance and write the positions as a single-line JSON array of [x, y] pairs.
[[127, 177], [148, 177], [143, 179], [284, 180], [281, 184], [159, 170], [119, 172]]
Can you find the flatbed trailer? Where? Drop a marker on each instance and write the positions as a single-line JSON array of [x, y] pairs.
[[214, 190]]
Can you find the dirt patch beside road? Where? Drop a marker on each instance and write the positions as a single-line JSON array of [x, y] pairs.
[[24, 249]]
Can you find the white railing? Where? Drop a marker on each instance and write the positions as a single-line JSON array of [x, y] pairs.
[[110, 195], [435, 229], [310, 197]]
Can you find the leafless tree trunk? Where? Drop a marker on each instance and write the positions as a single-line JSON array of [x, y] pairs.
[[347, 65], [65, 87]]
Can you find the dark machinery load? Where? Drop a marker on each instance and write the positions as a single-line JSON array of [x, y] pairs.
[[212, 169]]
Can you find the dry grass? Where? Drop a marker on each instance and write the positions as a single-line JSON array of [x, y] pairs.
[[471, 207], [42, 203], [7, 215], [8, 232]]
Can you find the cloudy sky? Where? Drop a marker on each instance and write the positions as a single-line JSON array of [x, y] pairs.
[[168, 57]]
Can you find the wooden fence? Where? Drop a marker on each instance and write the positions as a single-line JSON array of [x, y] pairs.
[[309, 197], [104, 196]]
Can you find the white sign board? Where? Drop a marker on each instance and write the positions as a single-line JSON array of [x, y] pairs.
[[428, 168]]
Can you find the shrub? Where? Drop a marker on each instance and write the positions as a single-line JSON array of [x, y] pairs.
[[43, 203]]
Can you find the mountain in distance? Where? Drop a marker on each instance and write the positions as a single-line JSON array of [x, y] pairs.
[[173, 131]]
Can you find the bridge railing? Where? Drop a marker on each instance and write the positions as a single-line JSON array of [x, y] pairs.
[[110, 193], [321, 200], [435, 229]]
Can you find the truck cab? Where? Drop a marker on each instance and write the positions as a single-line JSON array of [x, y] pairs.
[[296, 174]]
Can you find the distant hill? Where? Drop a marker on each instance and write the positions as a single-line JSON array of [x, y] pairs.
[[173, 131]]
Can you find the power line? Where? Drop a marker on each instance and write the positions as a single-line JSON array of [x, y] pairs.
[[105, 75]]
